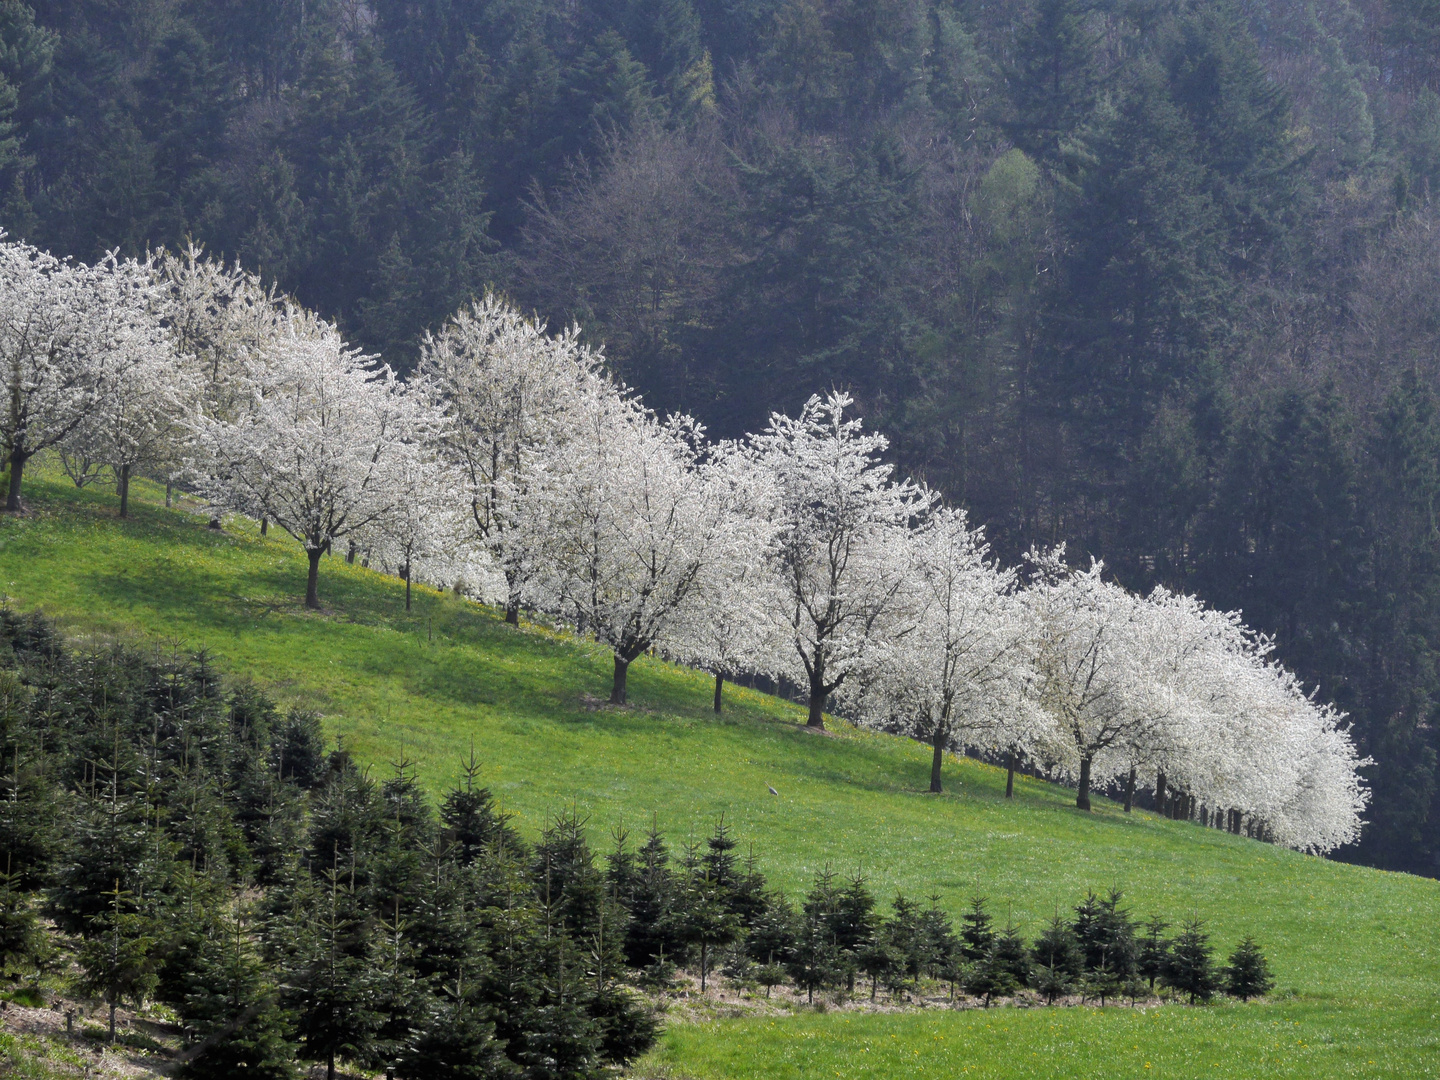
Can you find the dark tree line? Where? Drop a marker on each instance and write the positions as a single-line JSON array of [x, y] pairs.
[[1153, 279], [193, 845]]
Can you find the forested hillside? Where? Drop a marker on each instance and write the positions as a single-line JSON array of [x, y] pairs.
[[1156, 279]]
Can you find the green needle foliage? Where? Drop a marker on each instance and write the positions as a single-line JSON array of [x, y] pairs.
[[1247, 975]]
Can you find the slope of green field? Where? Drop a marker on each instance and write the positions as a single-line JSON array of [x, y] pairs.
[[1356, 951]]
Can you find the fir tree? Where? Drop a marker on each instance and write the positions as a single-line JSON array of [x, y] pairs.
[[1191, 967], [232, 1008], [471, 821], [1154, 951], [976, 935], [1058, 960], [1247, 974]]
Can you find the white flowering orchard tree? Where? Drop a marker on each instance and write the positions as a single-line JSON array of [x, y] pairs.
[[634, 520], [1089, 653], [144, 414], [959, 676], [426, 534], [319, 446], [727, 625], [1247, 743], [222, 320], [509, 390], [66, 330], [834, 513]]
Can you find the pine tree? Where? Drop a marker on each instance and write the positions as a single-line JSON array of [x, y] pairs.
[[1191, 967], [650, 930], [330, 979], [1247, 974], [1154, 951], [1058, 960], [117, 958], [471, 821], [233, 1009], [454, 1040], [976, 934]]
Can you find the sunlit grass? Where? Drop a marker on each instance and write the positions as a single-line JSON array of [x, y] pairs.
[[1357, 952]]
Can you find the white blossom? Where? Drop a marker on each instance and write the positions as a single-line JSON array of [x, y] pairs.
[[834, 516]]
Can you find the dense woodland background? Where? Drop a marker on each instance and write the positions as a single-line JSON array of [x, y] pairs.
[[1154, 278]]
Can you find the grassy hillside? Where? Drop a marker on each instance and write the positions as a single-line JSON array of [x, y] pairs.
[[1356, 952]]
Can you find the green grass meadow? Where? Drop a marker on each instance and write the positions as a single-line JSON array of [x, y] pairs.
[[1356, 952]]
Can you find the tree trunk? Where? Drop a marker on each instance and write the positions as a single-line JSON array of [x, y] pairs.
[[512, 611], [1130, 790], [818, 696], [407, 586], [938, 742], [312, 583], [330, 1067], [704, 963], [1010, 775], [124, 491], [112, 1020], [617, 688], [1160, 791], [719, 686], [350, 554], [18, 457], [168, 486], [1082, 797], [264, 526]]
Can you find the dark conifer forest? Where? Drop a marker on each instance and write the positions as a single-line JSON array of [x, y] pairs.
[[1150, 277]]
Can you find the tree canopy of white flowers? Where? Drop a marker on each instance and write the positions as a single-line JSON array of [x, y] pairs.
[[634, 518], [70, 336], [512, 462], [727, 625], [513, 395], [838, 539], [958, 674], [319, 443]]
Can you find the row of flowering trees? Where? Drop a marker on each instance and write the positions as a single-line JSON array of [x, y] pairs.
[[512, 462]]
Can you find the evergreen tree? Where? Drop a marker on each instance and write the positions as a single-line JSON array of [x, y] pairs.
[[471, 821], [976, 934], [330, 979], [1154, 951], [1191, 967], [233, 1010], [1247, 974], [1058, 961]]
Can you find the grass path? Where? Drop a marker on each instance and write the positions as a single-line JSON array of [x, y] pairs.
[[1357, 951]]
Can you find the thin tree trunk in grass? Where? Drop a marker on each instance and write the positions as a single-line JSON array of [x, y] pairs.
[[312, 583], [512, 611], [264, 526], [1160, 791], [167, 505], [407, 586], [1130, 790], [350, 554], [330, 1068], [18, 457], [124, 491], [719, 686], [617, 688], [704, 962], [936, 761], [1010, 775], [1082, 796], [112, 1019]]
